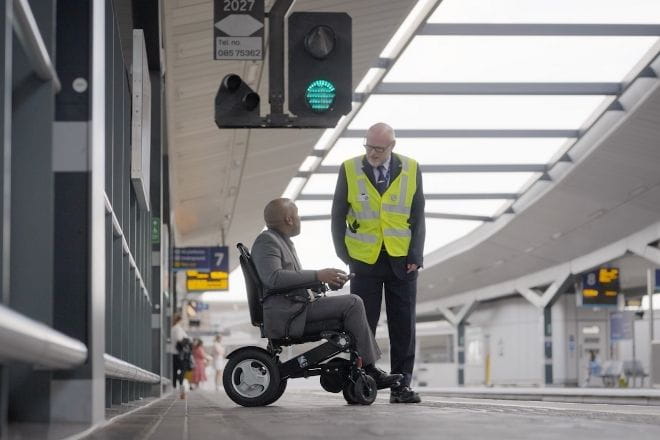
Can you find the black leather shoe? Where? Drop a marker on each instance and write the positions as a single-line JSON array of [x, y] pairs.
[[404, 395], [383, 380]]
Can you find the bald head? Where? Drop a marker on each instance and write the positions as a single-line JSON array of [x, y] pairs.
[[381, 131], [282, 215], [379, 143]]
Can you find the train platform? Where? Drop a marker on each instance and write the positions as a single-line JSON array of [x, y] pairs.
[[315, 414]]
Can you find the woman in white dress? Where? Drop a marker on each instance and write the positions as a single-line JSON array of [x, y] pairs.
[[218, 360]]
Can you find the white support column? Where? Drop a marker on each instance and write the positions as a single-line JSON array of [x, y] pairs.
[[543, 302], [458, 321], [97, 166]]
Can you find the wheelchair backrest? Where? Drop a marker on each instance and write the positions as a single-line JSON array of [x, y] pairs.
[[252, 285]]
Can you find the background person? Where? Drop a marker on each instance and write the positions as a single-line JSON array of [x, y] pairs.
[[177, 335], [199, 370], [378, 229]]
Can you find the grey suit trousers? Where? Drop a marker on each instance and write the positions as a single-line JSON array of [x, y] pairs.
[[350, 310]]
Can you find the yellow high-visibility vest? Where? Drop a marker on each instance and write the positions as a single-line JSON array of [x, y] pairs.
[[374, 220]]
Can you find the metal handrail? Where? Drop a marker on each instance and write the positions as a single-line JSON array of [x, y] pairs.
[[28, 33], [26, 340], [118, 369]]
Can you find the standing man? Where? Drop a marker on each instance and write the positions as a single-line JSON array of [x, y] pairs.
[[378, 229]]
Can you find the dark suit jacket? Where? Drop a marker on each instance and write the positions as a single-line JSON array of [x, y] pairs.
[[277, 265], [340, 208]]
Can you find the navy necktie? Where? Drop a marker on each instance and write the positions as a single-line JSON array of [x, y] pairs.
[[381, 179]]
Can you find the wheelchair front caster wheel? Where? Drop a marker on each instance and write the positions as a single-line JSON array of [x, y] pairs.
[[349, 394], [365, 390], [361, 392], [252, 378]]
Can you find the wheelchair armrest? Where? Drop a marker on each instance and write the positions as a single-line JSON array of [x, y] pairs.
[[286, 289]]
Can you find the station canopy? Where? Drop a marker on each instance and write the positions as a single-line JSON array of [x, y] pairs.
[[488, 95]]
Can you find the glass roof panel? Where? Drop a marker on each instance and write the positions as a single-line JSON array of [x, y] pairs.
[[314, 246], [442, 183], [314, 207], [313, 255], [439, 151], [457, 112], [519, 58], [547, 11], [486, 208], [475, 183], [440, 232], [320, 184]]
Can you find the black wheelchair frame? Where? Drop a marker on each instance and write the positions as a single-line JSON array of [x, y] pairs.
[[255, 376]]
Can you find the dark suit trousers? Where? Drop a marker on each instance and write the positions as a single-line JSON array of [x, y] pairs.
[[350, 310], [400, 300]]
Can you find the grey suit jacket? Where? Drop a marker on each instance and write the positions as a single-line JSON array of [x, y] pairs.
[[277, 265]]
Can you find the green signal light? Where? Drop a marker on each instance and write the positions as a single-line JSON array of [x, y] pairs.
[[320, 95]]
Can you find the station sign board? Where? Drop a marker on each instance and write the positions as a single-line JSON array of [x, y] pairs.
[[207, 268], [238, 29], [201, 258], [621, 326], [200, 281], [600, 287]]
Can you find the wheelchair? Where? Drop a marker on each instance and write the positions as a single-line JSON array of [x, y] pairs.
[[254, 376]]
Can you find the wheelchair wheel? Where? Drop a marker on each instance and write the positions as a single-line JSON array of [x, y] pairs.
[[349, 394], [252, 378], [365, 390], [279, 392]]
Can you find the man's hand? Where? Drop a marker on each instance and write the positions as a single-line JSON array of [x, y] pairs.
[[411, 267], [334, 277]]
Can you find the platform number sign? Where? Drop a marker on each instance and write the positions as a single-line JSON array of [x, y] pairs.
[[238, 29], [600, 287]]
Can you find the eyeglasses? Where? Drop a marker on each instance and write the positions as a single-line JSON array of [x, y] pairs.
[[376, 148]]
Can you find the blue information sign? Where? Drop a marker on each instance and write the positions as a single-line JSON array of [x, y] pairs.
[[210, 259], [657, 280], [621, 325], [207, 268]]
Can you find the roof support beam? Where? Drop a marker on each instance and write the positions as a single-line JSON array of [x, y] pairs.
[[478, 218], [543, 299], [453, 168], [649, 253], [428, 215], [553, 29], [498, 88], [467, 196], [459, 317], [473, 133]]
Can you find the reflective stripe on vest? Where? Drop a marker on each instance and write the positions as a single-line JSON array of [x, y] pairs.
[[374, 221]]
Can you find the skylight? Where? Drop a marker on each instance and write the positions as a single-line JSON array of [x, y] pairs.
[[488, 95], [495, 112], [547, 11], [313, 207], [479, 183], [497, 58], [440, 151], [321, 184], [486, 208]]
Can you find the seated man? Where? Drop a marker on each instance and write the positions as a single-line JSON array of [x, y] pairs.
[[286, 315]]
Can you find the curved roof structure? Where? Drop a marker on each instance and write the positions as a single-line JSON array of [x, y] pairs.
[[528, 119]]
